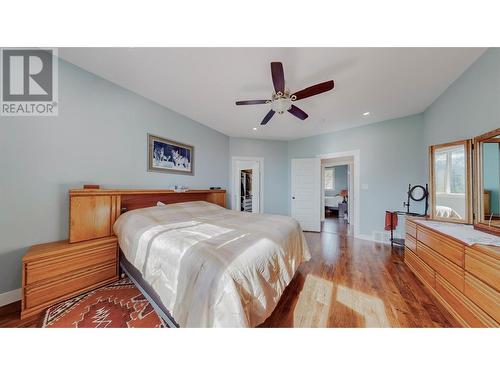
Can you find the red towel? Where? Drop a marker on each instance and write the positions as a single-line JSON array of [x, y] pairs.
[[391, 220]]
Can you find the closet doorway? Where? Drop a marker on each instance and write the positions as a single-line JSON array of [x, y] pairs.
[[247, 177]]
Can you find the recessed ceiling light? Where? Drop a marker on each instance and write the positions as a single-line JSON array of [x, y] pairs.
[[254, 129], [366, 113]]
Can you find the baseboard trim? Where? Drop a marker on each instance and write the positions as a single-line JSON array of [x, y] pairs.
[[367, 237], [10, 297]]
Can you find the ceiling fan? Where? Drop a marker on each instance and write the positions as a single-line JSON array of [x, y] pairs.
[[282, 100]]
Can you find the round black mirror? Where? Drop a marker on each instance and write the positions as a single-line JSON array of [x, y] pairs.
[[418, 193]]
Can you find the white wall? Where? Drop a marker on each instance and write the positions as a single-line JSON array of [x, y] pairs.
[[100, 136]]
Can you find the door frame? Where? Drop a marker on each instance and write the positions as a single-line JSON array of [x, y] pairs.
[[355, 154], [350, 167], [234, 186]]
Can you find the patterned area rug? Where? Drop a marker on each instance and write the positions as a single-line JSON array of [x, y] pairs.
[[117, 305]]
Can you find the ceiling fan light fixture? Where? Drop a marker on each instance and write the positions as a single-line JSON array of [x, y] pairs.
[[281, 102]]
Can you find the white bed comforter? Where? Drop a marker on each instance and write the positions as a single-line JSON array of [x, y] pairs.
[[213, 267]]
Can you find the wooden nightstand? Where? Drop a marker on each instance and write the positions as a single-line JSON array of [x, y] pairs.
[[56, 271]]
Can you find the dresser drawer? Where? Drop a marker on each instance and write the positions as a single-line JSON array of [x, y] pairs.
[[411, 243], [42, 295], [448, 248], [483, 266], [422, 270], [468, 311], [411, 228], [450, 271], [483, 295], [37, 271]]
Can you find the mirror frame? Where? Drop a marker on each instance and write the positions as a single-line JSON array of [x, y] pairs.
[[468, 179], [478, 182]]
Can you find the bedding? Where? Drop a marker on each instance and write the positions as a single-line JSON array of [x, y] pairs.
[[333, 202], [448, 212], [213, 267]]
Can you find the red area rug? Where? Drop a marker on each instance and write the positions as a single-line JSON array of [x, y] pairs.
[[117, 305]]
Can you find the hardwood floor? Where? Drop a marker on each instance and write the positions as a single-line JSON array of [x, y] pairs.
[[355, 283], [347, 283], [10, 317]]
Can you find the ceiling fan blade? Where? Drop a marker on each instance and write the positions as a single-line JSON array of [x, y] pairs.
[[297, 112], [266, 119], [247, 102], [278, 77], [314, 90]]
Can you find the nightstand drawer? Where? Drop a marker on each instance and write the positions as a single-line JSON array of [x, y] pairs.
[[56, 271], [43, 295], [41, 270]]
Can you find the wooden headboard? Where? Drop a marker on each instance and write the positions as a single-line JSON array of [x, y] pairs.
[[92, 212]]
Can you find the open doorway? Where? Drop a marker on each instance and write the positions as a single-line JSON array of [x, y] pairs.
[[339, 190], [247, 184]]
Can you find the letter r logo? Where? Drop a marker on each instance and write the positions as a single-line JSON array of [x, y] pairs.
[[27, 75]]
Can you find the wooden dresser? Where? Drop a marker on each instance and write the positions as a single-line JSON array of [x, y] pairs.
[[56, 271], [465, 279]]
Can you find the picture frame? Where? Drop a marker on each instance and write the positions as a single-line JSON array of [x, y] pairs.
[[168, 156]]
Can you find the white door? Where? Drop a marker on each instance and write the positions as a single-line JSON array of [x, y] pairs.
[[246, 175], [306, 193]]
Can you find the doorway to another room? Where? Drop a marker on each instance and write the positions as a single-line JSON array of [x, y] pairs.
[[247, 175], [337, 192]]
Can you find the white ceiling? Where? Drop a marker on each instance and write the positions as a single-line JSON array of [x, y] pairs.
[[204, 83]]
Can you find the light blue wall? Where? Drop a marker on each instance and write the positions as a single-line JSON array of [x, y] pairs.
[[491, 172], [99, 137], [470, 106], [390, 159], [340, 180], [275, 169]]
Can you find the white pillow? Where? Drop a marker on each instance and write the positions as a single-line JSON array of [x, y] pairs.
[[160, 203]]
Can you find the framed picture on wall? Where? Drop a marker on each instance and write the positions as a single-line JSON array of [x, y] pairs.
[[165, 155]]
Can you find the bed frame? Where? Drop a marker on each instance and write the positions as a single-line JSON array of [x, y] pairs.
[[93, 212]]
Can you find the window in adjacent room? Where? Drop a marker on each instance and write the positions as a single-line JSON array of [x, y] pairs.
[[329, 178], [450, 171]]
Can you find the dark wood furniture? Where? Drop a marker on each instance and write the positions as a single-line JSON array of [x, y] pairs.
[[56, 271], [465, 279]]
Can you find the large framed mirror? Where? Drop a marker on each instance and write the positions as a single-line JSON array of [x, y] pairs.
[[451, 181], [487, 181]]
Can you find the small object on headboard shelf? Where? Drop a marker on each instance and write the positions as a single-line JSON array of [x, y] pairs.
[[88, 186], [215, 188], [179, 188]]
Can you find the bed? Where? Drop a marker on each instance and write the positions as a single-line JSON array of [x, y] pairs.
[[447, 212], [203, 265]]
